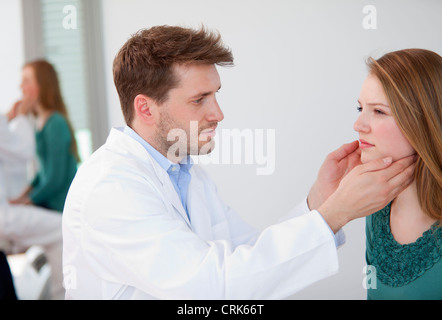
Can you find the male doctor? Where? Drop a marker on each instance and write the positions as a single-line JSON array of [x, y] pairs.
[[142, 222]]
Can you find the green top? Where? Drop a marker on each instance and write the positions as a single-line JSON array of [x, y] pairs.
[[411, 271], [58, 165]]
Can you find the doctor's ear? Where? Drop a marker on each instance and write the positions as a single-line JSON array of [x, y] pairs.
[[145, 109]]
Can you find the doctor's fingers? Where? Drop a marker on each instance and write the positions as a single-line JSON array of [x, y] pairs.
[[344, 151], [353, 160], [385, 169], [397, 168], [386, 190], [401, 168], [402, 180], [391, 181]]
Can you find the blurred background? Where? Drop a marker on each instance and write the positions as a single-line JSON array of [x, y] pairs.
[[299, 67]]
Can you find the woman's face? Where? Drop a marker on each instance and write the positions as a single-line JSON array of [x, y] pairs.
[[29, 86], [379, 135]]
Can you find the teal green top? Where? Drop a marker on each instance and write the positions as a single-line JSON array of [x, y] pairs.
[[402, 271], [58, 165]]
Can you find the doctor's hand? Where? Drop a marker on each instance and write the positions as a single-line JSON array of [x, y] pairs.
[[367, 189], [333, 170]]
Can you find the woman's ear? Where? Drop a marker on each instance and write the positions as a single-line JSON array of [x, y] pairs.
[[145, 109]]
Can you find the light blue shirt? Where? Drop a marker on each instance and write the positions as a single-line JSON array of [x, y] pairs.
[[178, 173]]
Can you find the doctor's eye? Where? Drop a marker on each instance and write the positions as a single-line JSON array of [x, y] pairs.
[[359, 108]]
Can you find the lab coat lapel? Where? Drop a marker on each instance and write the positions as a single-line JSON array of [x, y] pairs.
[[120, 139], [169, 189], [198, 209], [172, 195]]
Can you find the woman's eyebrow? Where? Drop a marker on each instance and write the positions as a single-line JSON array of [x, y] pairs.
[[375, 104]]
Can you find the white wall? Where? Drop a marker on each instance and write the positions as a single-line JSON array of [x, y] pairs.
[[299, 66], [11, 53]]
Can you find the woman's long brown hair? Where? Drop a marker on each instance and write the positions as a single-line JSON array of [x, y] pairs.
[[50, 97], [412, 81]]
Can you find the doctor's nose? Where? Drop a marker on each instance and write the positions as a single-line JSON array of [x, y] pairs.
[[215, 114]]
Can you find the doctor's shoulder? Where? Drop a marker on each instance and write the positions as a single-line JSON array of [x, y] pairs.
[[110, 165], [113, 181]]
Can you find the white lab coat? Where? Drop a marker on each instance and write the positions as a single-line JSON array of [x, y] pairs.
[[23, 226], [127, 236], [17, 153]]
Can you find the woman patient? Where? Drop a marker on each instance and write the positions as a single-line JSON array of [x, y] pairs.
[[400, 115]]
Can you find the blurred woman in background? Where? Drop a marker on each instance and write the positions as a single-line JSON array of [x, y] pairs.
[[56, 145], [34, 218]]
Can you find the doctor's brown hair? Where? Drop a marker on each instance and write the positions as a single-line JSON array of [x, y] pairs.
[[144, 65], [412, 81]]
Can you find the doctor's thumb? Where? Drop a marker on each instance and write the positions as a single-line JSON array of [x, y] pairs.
[[377, 164]]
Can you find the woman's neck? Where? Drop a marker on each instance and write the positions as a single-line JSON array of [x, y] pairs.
[[407, 219], [42, 116]]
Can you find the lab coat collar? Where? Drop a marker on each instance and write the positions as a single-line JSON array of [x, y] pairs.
[[198, 207], [118, 139]]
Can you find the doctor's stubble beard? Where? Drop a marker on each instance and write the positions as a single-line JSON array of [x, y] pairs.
[[184, 139]]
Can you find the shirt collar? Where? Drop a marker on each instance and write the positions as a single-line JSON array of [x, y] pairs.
[[165, 163]]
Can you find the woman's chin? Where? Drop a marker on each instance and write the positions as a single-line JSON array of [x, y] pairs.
[[366, 157]]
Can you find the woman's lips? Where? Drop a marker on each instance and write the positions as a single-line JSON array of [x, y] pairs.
[[364, 144]]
